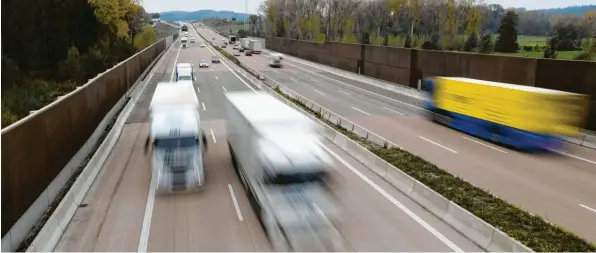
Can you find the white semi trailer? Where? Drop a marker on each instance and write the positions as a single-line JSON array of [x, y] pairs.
[[278, 156], [176, 141]]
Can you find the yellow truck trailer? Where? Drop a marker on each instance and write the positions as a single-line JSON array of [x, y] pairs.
[[498, 106]]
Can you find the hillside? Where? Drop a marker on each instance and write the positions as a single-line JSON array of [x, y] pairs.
[[200, 14], [579, 10]]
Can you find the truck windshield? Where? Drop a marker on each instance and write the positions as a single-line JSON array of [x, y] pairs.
[[295, 178], [184, 78], [170, 143]]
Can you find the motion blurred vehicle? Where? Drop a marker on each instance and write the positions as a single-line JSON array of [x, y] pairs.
[[523, 117], [212, 38], [279, 158], [255, 46], [248, 53], [232, 39], [202, 45], [203, 64], [192, 39], [185, 72], [275, 61], [236, 53], [176, 142], [215, 59]]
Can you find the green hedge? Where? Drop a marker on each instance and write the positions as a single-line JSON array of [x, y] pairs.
[[531, 230]]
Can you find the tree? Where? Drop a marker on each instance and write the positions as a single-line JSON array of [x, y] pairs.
[[241, 33], [507, 40], [471, 43], [486, 44]]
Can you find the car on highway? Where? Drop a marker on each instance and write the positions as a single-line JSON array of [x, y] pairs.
[[248, 53], [203, 64], [236, 47], [223, 46], [215, 59], [212, 38], [192, 40], [203, 45], [236, 53]]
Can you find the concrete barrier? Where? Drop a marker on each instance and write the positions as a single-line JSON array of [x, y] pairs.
[[50, 234]]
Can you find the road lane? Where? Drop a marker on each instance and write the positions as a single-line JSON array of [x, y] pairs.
[[552, 186]]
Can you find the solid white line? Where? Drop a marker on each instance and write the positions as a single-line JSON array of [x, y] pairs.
[[572, 156], [216, 78], [395, 100], [395, 202], [293, 80], [486, 145], [235, 203], [587, 207], [345, 92], [199, 90], [438, 144], [320, 92], [212, 135], [224, 88], [146, 226], [175, 62], [203, 104], [393, 110], [360, 110]]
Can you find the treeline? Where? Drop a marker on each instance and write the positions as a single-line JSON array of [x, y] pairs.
[[440, 24], [52, 46]]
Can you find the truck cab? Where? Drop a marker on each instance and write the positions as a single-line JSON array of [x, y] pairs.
[[185, 72], [184, 41], [176, 142]]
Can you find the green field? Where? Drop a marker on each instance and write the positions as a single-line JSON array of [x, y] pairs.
[[525, 40], [561, 55]]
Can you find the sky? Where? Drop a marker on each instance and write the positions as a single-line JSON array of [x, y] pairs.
[[239, 5]]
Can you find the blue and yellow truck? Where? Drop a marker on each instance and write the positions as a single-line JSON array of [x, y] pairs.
[[521, 117]]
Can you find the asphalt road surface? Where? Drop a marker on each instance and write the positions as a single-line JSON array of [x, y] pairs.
[[120, 200], [559, 187]]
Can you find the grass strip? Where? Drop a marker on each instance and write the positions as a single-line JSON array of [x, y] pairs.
[[531, 230]]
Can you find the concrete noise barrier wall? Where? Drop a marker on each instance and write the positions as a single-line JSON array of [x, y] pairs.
[[43, 150]]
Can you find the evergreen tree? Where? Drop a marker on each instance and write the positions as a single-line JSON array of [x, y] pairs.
[[486, 44], [408, 42], [471, 43], [507, 40]]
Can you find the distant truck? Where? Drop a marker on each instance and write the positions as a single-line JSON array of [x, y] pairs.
[[523, 117], [278, 156], [185, 28], [255, 46], [176, 142], [184, 41], [232, 39]]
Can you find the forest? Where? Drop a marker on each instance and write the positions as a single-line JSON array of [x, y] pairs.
[[463, 25], [52, 46]]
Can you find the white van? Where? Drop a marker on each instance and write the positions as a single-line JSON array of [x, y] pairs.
[[184, 41]]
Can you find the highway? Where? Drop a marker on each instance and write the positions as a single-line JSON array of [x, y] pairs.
[[558, 187], [122, 213]]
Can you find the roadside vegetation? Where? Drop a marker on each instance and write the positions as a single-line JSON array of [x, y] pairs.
[[54, 48], [456, 25]]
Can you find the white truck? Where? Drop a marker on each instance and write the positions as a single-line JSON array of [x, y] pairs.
[[278, 156], [232, 39], [185, 72], [184, 41], [256, 46], [176, 141]]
